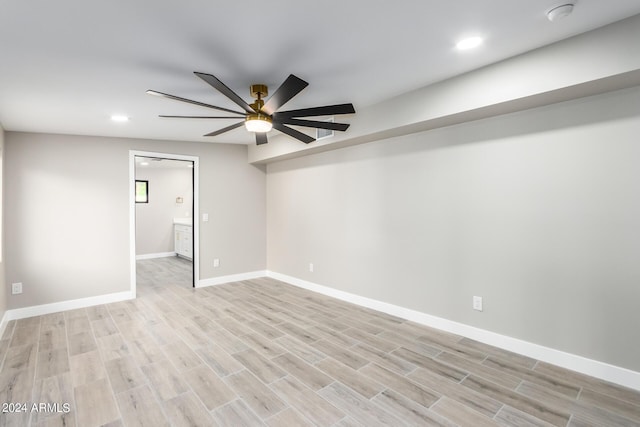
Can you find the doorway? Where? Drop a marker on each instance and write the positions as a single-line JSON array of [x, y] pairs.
[[163, 218]]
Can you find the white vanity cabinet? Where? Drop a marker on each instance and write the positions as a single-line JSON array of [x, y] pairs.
[[183, 240]]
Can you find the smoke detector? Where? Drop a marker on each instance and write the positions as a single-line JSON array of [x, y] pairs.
[[560, 12]]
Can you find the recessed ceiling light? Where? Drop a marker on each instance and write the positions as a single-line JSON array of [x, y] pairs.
[[469, 43], [119, 118], [144, 163]]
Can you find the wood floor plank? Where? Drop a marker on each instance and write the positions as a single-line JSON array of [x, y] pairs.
[[112, 347], [15, 385], [386, 360], [357, 406], [55, 391], [181, 356], [86, 368], [104, 327], [309, 404], [187, 411], [626, 409], [24, 335], [268, 348], [95, 404], [350, 377], [591, 413], [550, 382], [165, 379], [411, 344], [210, 388], [289, 418], [300, 349], [78, 324], [332, 335], [402, 385], [587, 382], [52, 321], [220, 361], [304, 372], [408, 411], [514, 358], [532, 407], [262, 400], [299, 332], [52, 362], [21, 357], [52, 338], [124, 374], [81, 343], [341, 354], [225, 339], [447, 371], [453, 390], [504, 379], [460, 414], [511, 417], [262, 368], [236, 413], [139, 408], [144, 351], [371, 340]]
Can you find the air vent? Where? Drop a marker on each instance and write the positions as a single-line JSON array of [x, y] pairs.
[[324, 133]]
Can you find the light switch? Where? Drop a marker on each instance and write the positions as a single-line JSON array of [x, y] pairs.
[[205, 217]]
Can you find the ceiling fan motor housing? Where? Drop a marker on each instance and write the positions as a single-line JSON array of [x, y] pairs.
[[259, 91]]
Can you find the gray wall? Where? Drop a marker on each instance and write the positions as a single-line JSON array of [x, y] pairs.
[[3, 286], [67, 211], [154, 220], [538, 212]]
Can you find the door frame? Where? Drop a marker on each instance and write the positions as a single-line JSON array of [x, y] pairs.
[[132, 211]]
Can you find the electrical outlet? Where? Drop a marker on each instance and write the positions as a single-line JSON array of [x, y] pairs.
[[311, 267], [216, 262], [16, 288], [205, 217], [477, 303]]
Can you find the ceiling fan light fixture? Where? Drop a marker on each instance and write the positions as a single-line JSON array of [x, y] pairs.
[[259, 123]]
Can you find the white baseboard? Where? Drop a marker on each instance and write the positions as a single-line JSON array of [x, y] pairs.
[[38, 310], [153, 256], [594, 368], [213, 281], [3, 323]]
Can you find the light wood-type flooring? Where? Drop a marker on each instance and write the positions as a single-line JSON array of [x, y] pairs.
[[261, 352]]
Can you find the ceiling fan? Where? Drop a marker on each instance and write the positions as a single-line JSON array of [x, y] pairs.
[[260, 116]]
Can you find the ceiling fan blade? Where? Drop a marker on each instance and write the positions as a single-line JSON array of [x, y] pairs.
[[201, 104], [290, 88], [294, 133], [222, 88], [196, 117], [328, 110], [261, 138], [314, 124], [225, 129]]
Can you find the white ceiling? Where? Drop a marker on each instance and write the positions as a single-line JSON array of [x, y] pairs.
[[66, 66]]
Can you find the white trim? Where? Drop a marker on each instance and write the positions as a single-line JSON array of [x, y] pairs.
[[39, 310], [132, 211], [213, 281], [153, 256], [3, 323], [594, 368]]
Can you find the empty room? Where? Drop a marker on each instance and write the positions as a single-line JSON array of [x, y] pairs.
[[320, 213]]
